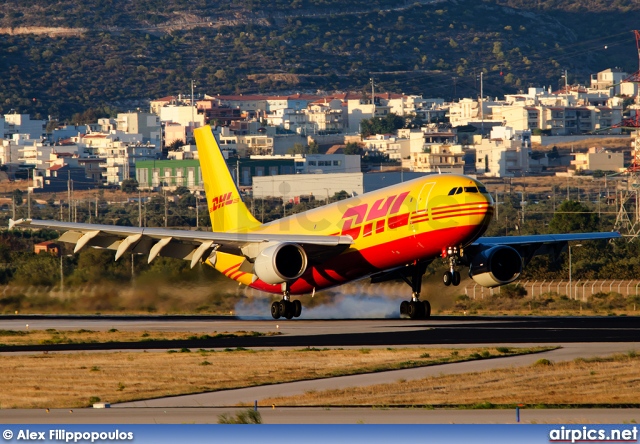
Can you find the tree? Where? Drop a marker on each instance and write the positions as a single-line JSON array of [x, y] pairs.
[[17, 197], [175, 145], [571, 217], [352, 148], [181, 190], [129, 185], [377, 125]]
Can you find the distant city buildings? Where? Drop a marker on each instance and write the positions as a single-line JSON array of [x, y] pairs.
[[258, 134]]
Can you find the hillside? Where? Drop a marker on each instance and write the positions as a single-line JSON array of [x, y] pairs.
[[59, 58]]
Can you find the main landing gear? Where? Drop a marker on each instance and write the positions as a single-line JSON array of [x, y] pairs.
[[415, 308], [452, 276], [286, 308]]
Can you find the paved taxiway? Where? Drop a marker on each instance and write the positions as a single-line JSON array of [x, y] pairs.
[[338, 333], [207, 415]]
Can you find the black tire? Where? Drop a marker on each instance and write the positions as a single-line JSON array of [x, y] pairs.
[[282, 305], [289, 312], [275, 310], [447, 277], [404, 308], [416, 310], [427, 309], [297, 308], [455, 279]]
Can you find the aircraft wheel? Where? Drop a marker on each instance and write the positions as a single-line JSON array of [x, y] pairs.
[[455, 278], [275, 310], [297, 308], [415, 309], [427, 309], [289, 313], [282, 305], [404, 308], [447, 277]]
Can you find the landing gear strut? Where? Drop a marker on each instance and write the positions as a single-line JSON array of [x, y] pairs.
[[452, 276], [286, 307], [415, 308]]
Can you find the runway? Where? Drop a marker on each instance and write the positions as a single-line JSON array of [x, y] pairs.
[[578, 337], [335, 333]]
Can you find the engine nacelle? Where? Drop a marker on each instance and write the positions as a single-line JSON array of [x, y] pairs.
[[280, 263], [496, 266]]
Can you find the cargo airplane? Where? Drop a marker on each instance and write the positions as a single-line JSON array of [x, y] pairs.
[[392, 233]]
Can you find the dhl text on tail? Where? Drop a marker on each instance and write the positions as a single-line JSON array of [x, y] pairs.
[[392, 233]]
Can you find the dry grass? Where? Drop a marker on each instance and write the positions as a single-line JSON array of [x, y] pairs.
[[602, 381], [79, 379], [52, 336]]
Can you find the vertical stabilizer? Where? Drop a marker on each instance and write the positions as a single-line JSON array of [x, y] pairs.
[[226, 209]]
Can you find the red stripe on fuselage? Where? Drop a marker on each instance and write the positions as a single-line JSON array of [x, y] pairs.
[[464, 207], [449, 216], [357, 264]]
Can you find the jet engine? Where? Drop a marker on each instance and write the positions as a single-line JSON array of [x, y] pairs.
[[280, 263], [496, 266]]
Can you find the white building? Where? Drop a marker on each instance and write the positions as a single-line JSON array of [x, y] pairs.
[[328, 163], [505, 153], [121, 159], [322, 186], [436, 158], [608, 80], [145, 124], [185, 115], [22, 124], [598, 159]]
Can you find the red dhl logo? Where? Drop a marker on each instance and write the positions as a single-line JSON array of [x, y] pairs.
[[222, 200], [373, 218]]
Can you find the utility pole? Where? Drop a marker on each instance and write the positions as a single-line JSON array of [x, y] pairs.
[[166, 213], [69, 192], [193, 123], [238, 174], [139, 222], [373, 97], [197, 212], [481, 105]]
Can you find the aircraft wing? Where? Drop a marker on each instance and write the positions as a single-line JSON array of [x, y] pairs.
[[534, 245], [182, 244]]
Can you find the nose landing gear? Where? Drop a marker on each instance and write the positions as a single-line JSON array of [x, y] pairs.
[[452, 276]]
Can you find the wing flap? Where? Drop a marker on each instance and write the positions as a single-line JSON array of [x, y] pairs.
[[181, 244]]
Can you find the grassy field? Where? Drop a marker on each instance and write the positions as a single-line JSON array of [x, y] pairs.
[[52, 336], [61, 380], [612, 381]]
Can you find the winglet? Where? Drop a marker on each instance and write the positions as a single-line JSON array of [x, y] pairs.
[[227, 210], [13, 223]]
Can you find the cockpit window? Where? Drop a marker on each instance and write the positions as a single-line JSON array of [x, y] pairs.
[[483, 190], [470, 189], [459, 190], [454, 191]]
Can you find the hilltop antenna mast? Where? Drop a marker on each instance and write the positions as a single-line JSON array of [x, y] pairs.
[[631, 194]]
